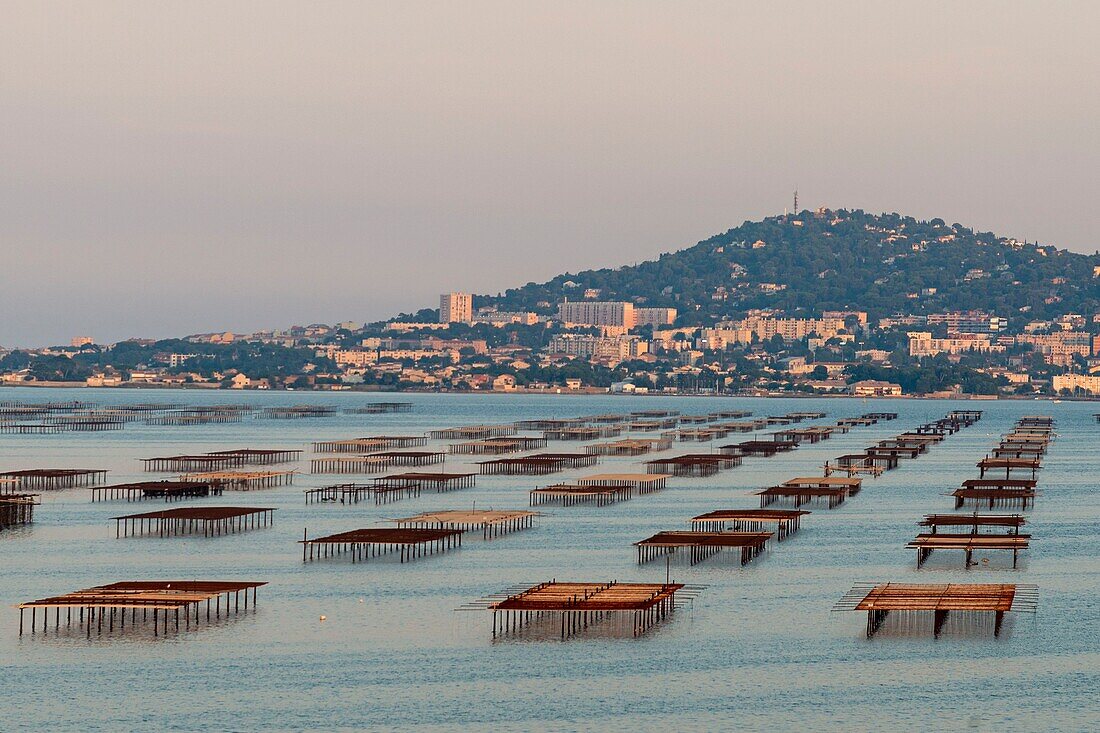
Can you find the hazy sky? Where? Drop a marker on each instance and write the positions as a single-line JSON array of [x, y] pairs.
[[173, 168]]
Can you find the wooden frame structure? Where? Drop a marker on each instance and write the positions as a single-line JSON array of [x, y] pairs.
[[178, 418], [51, 479], [996, 492], [491, 523], [855, 464], [762, 448], [650, 426], [572, 494], [210, 521], [880, 600], [971, 416], [693, 464], [375, 462], [538, 464], [833, 490], [1027, 465], [914, 445], [734, 414], [643, 483], [853, 485], [369, 444], [785, 521], [497, 446], [29, 428], [975, 521], [702, 545], [242, 480], [629, 447], [364, 544], [1019, 450], [806, 415], [439, 481], [17, 509], [926, 543], [472, 432], [162, 597], [354, 493], [262, 456], [697, 419], [554, 423], [581, 605], [85, 423], [297, 412], [203, 462], [583, 432], [741, 427], [379, 408], [608, 418], [806, 434], [895, 451], [856, 422], [167, 490], [912, 436], [699, 435]]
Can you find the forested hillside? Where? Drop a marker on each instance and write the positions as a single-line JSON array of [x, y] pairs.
[[825, 260]]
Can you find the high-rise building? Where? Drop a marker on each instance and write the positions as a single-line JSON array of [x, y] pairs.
[[616, 348], [654, 316], [456, 308], [597, 313]]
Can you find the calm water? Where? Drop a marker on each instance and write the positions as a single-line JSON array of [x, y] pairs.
[[759, 649]]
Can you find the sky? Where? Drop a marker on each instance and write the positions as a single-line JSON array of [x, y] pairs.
[[178, 168]]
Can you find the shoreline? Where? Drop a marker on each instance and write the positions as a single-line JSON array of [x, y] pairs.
[[559, 393]]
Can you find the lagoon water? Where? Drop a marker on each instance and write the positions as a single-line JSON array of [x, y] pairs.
[[759, 648]]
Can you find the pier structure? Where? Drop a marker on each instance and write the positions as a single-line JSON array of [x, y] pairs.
[[170, 601], [370, 444], [211, 521], [701, 545], [166, 490], [50, 479], [783, 522], [974, 605], [17, 509], [574, 608], [352, 493], [491, 523], [364, 544]]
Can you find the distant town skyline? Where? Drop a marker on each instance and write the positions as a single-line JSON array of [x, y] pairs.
[[209, 166]]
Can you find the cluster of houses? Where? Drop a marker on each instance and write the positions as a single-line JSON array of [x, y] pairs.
[[590, 344]]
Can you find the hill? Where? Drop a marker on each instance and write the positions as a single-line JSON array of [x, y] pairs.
[[834, 260]]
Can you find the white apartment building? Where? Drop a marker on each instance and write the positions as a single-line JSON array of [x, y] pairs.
[[456, 308], [504, 318], [656, 317], [764, 328], [1076, 382], [599, 347], [921, 343], [615, 314]]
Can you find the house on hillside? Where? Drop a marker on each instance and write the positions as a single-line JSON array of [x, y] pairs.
[[504, 383]]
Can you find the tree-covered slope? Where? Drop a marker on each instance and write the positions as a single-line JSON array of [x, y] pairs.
[[827, 260]]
